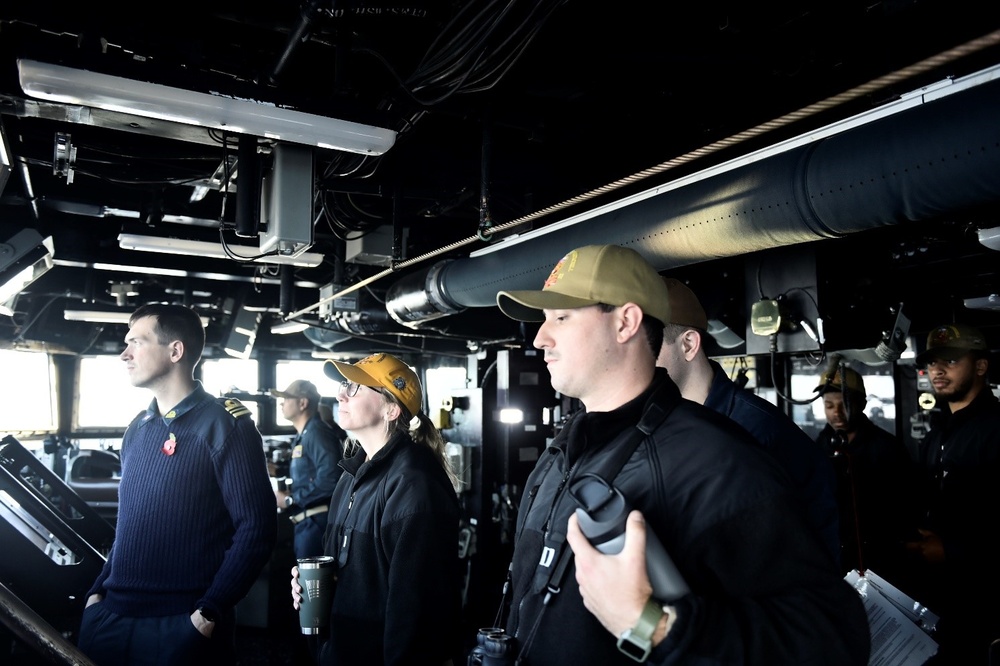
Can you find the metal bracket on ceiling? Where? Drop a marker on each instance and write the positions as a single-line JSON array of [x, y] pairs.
[[64, 157]]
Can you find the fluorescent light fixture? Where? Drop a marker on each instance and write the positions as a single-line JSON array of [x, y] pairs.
[[194, 248], [288, 327], [105, 316], [511, 415], [97, 316], [990, 238], [4, 160], [991, 302], [24, 258], [56, 83], [172, 272]]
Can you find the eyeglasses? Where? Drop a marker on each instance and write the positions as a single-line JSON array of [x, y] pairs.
[[349, 388]]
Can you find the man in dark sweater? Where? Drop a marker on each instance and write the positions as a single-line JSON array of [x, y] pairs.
[[196, 520]]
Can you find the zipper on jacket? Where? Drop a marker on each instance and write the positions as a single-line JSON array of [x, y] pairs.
[[531, 501], [344, 538], [547, 528]]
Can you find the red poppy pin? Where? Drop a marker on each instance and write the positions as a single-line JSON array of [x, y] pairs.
[[170, 445]]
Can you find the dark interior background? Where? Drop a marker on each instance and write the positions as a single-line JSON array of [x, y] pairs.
[[503, 111]]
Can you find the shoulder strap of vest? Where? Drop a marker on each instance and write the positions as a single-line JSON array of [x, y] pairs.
[[653, 414]]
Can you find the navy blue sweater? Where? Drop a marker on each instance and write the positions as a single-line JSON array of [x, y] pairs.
[[196, 526]]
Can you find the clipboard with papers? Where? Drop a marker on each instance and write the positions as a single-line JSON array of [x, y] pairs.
[[900, 626]]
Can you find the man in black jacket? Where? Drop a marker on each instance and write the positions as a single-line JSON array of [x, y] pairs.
[[763, 590], [960, 465]]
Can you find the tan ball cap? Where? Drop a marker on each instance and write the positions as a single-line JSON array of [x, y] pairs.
[[589, 275]]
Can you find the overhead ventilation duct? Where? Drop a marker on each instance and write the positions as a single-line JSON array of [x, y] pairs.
[[420, 297], [935, 158]]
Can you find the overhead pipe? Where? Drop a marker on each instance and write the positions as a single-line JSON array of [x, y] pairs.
[[936, 158], [307, 16]]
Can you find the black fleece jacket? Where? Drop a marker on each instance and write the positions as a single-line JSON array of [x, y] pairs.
[[764, 589], [393, 528]]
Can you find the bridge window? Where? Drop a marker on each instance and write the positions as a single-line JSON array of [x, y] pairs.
[[28, 395], [233, 377], [286, 372], [107, 399]]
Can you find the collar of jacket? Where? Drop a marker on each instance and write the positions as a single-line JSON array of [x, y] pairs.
[[603, 427], [984, 402], [359, 464]]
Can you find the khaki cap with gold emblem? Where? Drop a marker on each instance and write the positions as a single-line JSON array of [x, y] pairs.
[[590, 275]]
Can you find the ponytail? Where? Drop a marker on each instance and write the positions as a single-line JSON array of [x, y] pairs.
[[422, 431]]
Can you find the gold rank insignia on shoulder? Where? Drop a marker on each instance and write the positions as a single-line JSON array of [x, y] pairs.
[[236, 408]]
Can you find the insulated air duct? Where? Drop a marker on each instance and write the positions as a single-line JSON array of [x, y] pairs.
[[935, 158]]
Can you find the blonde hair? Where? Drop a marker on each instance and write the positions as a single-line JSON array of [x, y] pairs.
[[422, 431]]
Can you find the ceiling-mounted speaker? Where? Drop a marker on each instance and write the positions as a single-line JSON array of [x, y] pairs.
[[247, 187], [286, 202]]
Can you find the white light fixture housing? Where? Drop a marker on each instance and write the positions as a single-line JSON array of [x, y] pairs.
[[239, 342], [511, 415], [195, 248], [990, 302], [289, 327], [97, 316], [990, 238], [66, 85], [4, 160], [724, 336], [24, 258]]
